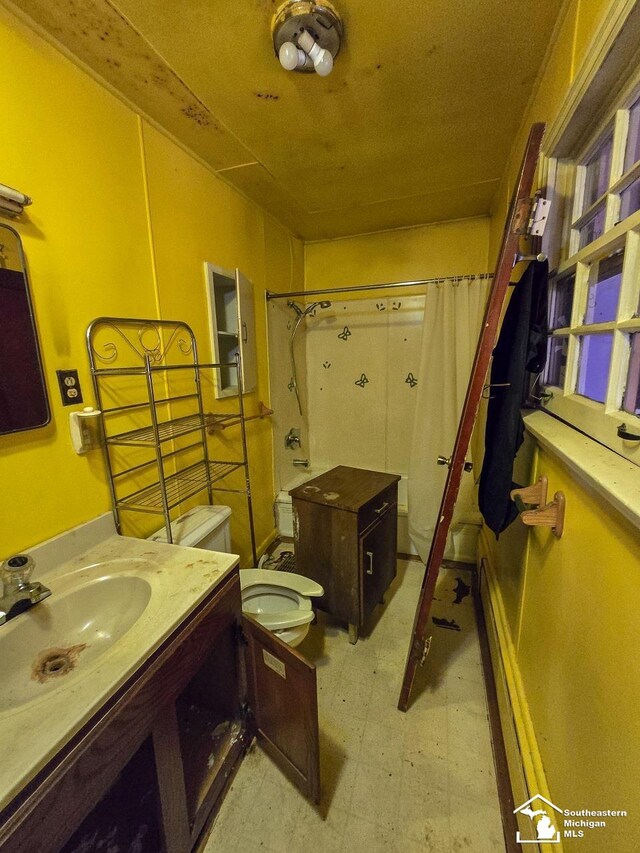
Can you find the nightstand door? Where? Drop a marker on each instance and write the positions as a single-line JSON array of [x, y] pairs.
[[377, 561]]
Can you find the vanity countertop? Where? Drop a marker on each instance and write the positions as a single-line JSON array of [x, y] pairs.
[[179, 578]]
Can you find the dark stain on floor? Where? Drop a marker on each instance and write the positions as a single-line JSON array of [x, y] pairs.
[[461, 590], [451, 624]]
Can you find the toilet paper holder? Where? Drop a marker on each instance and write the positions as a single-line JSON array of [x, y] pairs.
[[534, 510]]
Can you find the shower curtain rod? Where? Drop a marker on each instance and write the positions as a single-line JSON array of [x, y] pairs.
[[480, 276]]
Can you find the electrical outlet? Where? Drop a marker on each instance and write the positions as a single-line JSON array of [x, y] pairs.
[[69, 387]]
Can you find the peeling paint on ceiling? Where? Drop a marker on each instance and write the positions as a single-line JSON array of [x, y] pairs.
[[414, 125]]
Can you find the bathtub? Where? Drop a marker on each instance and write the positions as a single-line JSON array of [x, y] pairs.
[[463, 535]]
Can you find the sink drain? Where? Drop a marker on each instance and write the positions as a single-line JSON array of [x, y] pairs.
[[52, 663]]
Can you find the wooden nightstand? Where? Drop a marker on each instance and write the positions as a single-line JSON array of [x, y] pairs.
[[345, 528]]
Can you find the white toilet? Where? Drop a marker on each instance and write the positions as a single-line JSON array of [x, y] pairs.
[[278, 600]]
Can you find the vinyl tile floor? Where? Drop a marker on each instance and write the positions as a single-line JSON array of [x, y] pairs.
[[421, 781]]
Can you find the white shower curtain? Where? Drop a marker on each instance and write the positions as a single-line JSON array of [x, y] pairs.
[[453, 315]]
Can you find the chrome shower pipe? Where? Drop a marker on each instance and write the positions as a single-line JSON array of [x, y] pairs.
[[302, 313]]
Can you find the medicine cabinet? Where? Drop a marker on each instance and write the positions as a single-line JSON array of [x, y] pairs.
[[232, 323]]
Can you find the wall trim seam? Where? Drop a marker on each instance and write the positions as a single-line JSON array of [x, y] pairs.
[[147, 205]]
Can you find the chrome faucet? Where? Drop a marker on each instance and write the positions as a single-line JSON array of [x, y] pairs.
[[18, 594]]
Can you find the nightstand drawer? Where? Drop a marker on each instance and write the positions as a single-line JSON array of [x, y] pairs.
[[377, 508]]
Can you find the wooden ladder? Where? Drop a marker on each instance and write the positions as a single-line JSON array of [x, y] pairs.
[[516, 226]]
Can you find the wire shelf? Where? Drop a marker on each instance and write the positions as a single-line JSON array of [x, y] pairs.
[[180, 486], [130, 347], [145, 436]]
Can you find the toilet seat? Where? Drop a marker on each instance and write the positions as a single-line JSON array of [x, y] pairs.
[[279, 601]]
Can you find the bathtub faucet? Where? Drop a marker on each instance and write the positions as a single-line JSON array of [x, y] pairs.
[[292, 438], [301, 463]]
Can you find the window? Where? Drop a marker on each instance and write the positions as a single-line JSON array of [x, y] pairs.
[[593, 350], [631, 403], [632, 147]]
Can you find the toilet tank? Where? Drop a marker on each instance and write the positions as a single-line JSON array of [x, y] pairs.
[[207, 527]]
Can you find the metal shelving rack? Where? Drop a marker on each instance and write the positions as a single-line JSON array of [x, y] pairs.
[[155, 351]]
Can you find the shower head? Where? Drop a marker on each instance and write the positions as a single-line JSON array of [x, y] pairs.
[[302, 312], [311, 308]]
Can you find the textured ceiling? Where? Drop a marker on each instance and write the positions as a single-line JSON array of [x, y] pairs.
[[414, 125]]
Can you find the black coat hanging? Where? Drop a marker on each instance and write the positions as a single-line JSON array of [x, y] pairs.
[[521, 348]]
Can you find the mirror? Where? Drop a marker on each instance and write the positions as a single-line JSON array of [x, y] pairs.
[[23, 394]]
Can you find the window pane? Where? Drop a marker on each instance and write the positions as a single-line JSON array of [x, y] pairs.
[[593, 228], [630, 199], [631, 402], [602, 300], [597, 173], [556, 360], [632, 151], [593, 369], [561, 302]]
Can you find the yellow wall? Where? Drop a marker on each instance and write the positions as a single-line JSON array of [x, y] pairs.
[[572, 628], [577, 651], [121, 224], [448, 248], [566, 54], [568, 608], [76, 151], [210, 221], [98, 244]]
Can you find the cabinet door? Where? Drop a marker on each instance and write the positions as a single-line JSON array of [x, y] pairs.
[[247, 332], [283, 698], [378, 560]]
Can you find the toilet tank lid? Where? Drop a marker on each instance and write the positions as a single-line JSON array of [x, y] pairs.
[[192, 527]]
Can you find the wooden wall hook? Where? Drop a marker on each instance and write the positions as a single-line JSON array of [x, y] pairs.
[[535, 495], [551, 515]]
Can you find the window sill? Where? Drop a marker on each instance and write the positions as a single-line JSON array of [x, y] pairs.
[[615, 479]]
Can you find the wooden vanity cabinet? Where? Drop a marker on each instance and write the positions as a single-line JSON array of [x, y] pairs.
[[346, 530], [181, 724]]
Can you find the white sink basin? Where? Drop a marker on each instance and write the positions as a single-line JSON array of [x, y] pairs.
[[115, 600], [43, 648]]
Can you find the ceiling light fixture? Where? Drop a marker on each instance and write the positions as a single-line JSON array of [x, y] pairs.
[[307, 35]]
